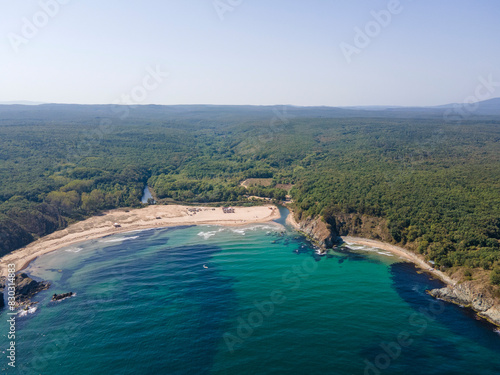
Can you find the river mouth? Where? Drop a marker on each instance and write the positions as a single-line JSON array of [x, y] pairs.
[[146, 195]]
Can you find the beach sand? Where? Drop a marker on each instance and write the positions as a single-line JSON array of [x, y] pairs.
[[135, 219], [402, 252]]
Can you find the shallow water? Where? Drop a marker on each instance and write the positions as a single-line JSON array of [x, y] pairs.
[[246, 300]]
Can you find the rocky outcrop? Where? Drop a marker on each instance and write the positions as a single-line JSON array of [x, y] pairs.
[[26, 288], [319, 231], [58, 297], [468, 295], [2, 287]]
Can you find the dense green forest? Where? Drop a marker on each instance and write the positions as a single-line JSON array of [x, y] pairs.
[[436, 184]]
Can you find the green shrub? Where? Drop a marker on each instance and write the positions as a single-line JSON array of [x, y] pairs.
[[495, 276]]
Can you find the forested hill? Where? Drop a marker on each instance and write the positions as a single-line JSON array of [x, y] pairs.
[[427, 178]]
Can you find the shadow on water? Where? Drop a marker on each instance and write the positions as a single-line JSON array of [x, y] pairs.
[[411, 287], [429, 347]]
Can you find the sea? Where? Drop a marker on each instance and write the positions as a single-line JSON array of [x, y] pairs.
[[255, 299]]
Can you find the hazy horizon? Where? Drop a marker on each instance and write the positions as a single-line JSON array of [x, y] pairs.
[[34, 103]]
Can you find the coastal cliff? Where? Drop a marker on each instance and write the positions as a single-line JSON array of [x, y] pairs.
[[468, 295], [26, 288], [315, 228], [326, 231]]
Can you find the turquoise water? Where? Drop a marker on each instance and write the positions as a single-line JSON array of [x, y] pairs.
[[246, 300]]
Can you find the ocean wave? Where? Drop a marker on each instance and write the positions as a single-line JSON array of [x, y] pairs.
[[385, 253], [355, 247], [74, 250], [31, 310], [71, 296], [239, 231], [207, 235], [121, 239], [263, 227]]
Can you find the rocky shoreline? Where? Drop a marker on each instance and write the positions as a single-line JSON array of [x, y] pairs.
[[461, 293], [466, 295], [315, 229], [26, 289]]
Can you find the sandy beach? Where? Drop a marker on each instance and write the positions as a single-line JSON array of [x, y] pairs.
[[122, 220], [402, 252]]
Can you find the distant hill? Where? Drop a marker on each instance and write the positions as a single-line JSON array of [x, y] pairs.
[[280, 112], [489, 107]]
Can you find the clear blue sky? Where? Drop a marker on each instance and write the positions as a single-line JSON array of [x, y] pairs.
[[263, 51]]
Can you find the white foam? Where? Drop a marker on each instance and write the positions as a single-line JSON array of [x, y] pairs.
[[31, 310], [208, 234], [362, 248], [356, 247], [74, 250], [263, 227], [121, 239], [239, 231], [497, 331]]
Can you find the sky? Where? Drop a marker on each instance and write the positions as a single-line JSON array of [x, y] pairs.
[[258, 52]]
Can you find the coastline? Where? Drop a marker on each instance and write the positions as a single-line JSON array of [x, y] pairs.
[[290, 219], [129, 220], [397, 250], [402, 252], [456, 292]]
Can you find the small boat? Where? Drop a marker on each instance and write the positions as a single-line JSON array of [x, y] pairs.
[[205, 266]]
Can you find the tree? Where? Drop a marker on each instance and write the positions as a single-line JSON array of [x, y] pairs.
[[495, 276]]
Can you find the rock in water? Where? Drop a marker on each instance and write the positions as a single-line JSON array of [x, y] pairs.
[[58, 297], [26, 288], [2, 287]]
